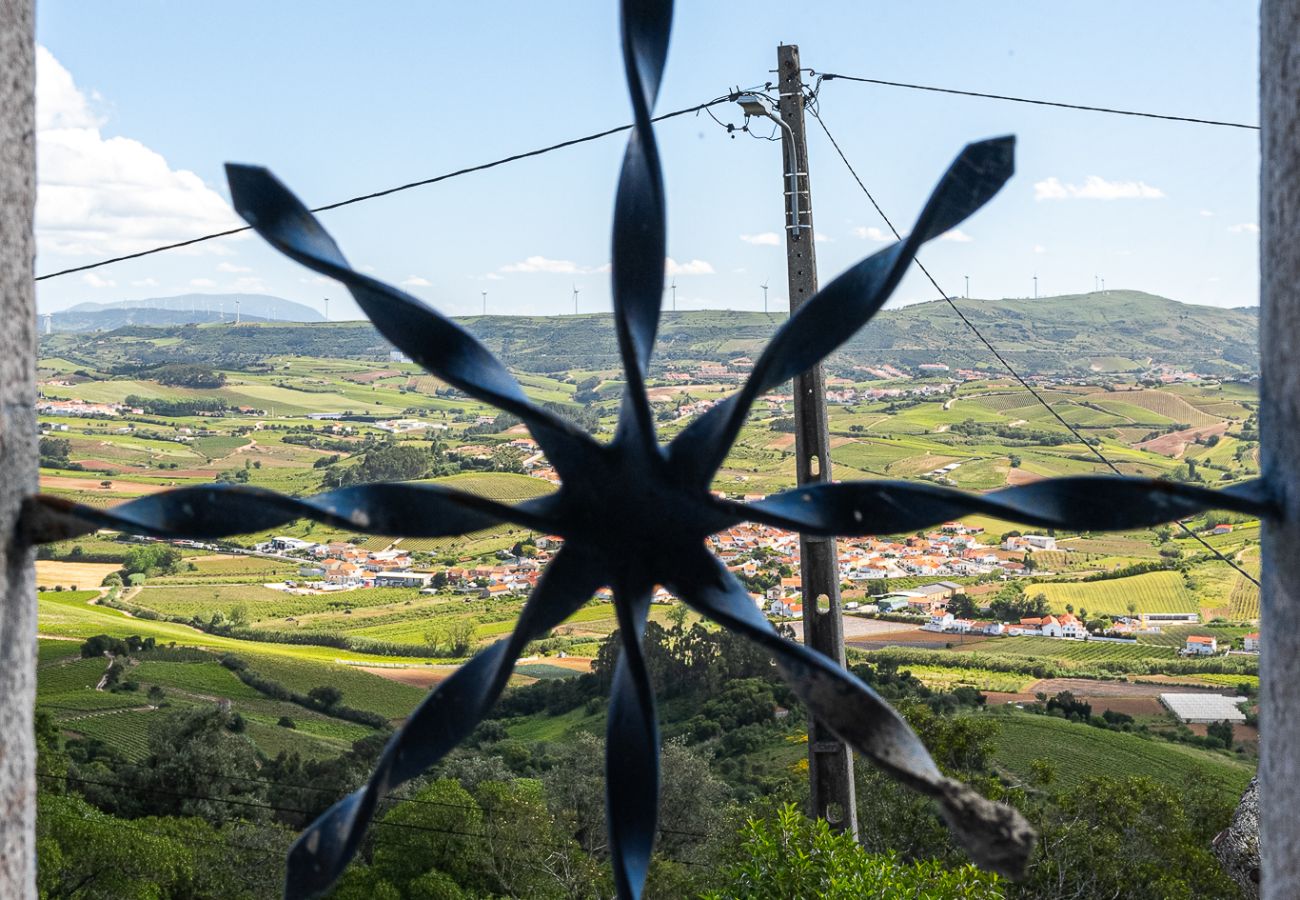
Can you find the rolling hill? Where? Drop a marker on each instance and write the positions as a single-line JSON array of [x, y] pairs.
[[1112, 331]]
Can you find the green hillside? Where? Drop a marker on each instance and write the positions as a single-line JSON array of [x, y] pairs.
[[1112, 331], [1077, 751]]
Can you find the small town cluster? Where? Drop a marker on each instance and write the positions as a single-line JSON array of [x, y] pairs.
[[767, 559]]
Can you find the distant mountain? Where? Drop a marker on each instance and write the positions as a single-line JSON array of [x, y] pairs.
[[1111, 331], [182, 310]]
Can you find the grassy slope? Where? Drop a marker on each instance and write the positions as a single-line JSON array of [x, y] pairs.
[[1078, 751]]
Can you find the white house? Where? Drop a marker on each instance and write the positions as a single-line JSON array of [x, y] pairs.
[[940, 621], [1251, 643], [785, 609], [1071, 627], [1047, 626], [1200, 645]]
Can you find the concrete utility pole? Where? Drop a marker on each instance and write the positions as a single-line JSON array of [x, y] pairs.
[[830, 763], [1279, 339], [17, 448]]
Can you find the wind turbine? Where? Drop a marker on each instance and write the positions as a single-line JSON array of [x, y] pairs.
[[575, 299], [484, 303], [764, 287], [1035, 287], [674, 287], [327, 309]]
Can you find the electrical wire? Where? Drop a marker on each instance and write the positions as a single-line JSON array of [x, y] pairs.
[[481, 167], [814, 109], [828, 76]]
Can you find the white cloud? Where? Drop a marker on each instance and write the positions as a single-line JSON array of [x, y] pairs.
[[145, 282], [1244, 228], [694, 267], [872, 234], [95, 281], [249, 285], [823, 238], [99, 196], [416, 281], [202, 282], [1207, 213], [763, 239], [1039, 248], [1095, 187], [542, 264], [956, 235], [231, 267]]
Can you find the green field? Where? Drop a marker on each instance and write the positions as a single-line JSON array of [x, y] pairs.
[[59, 616], [1070, 653], [1078, 751], [1152, 592], [945, 679]]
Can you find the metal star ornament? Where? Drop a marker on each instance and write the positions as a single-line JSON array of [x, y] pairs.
[[635, 514]]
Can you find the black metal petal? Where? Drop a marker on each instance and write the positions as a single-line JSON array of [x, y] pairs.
[[437, 343], [1080, 503], [996, 836], [639, 240], [213, 510], [631, 750], [838, 310], [443, 720]]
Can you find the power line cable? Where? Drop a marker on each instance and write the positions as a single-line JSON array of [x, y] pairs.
[[540, 151], [814, 108], [828, 76]]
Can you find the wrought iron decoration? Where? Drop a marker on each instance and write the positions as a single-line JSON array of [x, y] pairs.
[[635, 514]]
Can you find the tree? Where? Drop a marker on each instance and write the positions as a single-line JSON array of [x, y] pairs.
[[151, 559], [326, 696], [1221, 732], [195, 764], [790, 855], [962, 606]]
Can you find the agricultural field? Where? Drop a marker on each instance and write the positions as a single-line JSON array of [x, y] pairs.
[[275, 432], [67, 689], [1076, 751], [1070, 654], [945, 679], [1152, 592]]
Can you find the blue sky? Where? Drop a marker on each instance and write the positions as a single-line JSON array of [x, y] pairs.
[[142, 102]]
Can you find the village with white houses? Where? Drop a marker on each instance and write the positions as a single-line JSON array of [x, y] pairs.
[[767, 558]]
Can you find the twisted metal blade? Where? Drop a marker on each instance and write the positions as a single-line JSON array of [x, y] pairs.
[[443, 720], [996, 836], [436, 343], [832, 316], [631, 751], [209, 511], [639, 236], [1083, 503]]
